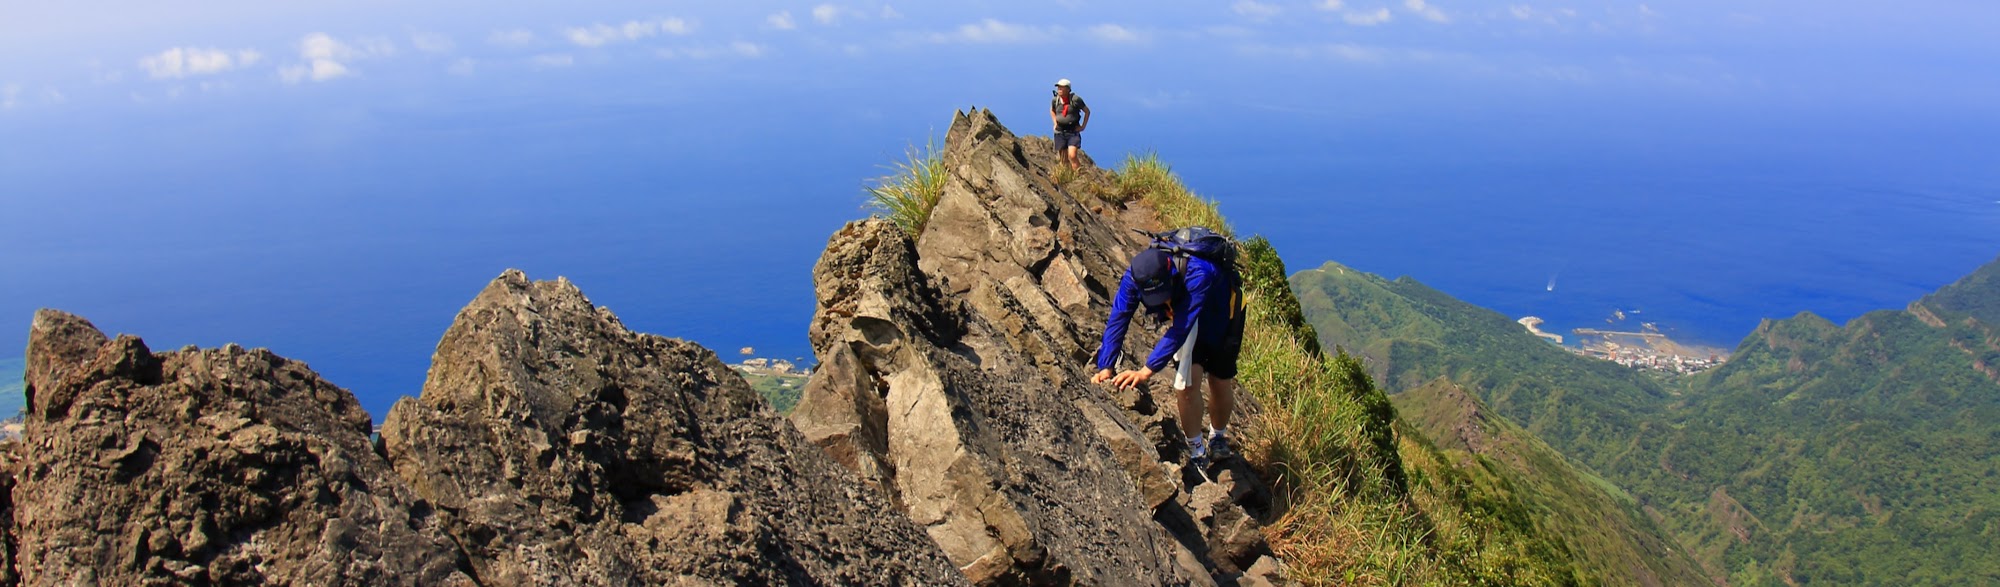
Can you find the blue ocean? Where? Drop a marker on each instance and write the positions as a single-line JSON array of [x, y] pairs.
[[349, 239]]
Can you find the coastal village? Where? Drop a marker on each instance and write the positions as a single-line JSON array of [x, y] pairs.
[[1646, 348], [781, 382]]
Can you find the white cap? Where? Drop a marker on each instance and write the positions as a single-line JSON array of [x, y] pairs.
[[1063, 82]]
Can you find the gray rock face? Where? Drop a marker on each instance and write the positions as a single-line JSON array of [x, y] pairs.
[[561, 448], [955, 376], [203, 467]]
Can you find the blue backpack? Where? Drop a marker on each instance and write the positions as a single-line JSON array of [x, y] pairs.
[[1211, 246], [1196, 241]]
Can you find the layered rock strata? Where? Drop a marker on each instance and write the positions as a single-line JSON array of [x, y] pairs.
[[955, 376], [560, 448]]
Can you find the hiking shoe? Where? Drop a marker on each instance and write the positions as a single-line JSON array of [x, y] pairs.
[[1218, 448], [1198, 452]]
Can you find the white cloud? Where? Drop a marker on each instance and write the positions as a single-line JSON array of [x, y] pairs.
[[10, 96], [1647, 11], [992, 31], [1379, 16], [743, 49], [1521, 11], [597, 35], [511, 38], [1113, 33], [53, 96], [889, 12], [1330, 5], [326, 58], [465, 66], [552, 60], [1339, 51], [180, 62], [432, 42], [781, 21], [826, 14], [1255, 9], [1424, 9]]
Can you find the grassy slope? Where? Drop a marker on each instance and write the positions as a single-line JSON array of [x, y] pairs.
[[1594, 411], [1820, 453], [1612, 538]]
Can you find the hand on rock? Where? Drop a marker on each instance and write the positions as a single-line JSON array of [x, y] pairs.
[[1101, 376], [1131, 379]]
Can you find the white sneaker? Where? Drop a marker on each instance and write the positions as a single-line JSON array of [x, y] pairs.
[[1198, 452]]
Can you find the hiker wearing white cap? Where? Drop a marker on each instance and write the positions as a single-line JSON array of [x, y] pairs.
[[1069, 114]]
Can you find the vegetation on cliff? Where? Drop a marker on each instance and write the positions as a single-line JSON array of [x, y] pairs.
[[1819, 453]]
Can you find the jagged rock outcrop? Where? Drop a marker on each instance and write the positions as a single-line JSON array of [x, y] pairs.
[[955, 376], [220, 466], [958, 439], [561, 448]]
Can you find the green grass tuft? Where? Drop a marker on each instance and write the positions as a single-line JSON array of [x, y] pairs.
[[911, 190], [1150, 180]]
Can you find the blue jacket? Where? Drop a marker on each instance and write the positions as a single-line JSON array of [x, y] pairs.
[[1206, 293]]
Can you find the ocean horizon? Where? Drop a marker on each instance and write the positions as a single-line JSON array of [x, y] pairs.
[[337, 186], [363, 289]]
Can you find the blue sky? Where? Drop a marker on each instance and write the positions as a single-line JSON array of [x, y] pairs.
[[69, 58], [334, 179]]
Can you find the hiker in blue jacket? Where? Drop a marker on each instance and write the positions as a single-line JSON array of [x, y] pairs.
[[1205, 305]]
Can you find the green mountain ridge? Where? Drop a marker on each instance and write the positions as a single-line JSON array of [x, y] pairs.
[[1605, 529], [1861, 453], [1412, 334]]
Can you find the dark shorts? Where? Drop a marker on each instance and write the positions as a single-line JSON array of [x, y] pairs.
[[1218, 358], [1065, 139]]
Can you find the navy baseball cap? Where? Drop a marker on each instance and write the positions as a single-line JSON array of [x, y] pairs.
[[1153, 271]]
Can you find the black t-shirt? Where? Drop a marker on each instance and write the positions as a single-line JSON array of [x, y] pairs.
[[1067, 119]]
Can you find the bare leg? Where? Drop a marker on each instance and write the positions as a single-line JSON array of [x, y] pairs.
[[1221, 401], [1073, 162], [1189, 400]]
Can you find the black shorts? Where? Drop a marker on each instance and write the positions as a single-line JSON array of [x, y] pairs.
[[1218, 359], [1068, 138]]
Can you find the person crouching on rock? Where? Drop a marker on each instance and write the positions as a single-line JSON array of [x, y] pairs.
[[1204, 304], [1070, 116]]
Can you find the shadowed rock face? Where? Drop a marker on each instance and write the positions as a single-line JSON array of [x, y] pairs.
[[955, 377], [203, 466], [562, 449]]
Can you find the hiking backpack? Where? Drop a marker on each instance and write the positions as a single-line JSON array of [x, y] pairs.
[[1211, 246], [1196, 241]]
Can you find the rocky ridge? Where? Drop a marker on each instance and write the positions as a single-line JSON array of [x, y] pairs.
[[957, 437], [955, 376], [550, 446]]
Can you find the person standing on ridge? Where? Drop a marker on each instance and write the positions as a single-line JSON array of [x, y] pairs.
[[1201, 295], [1069, 114]]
